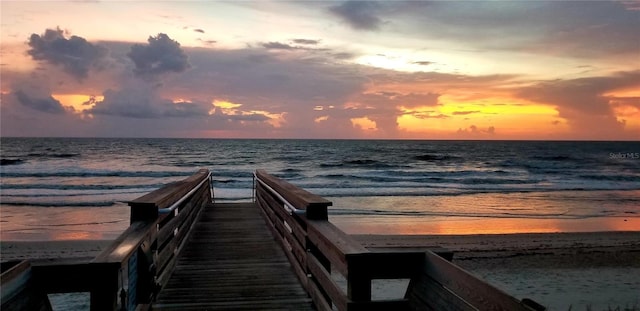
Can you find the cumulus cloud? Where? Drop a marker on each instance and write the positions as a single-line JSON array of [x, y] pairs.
[[360, 15], [161, 55], [44, 104], [76, 55], [143, 102], [584, 102]]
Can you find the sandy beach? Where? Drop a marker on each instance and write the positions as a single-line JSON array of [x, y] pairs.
[[563, 271], [560, 270], [19, 250]]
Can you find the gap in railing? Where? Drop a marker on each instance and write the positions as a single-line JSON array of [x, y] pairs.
[[388, 289], [77, 301], [381, 289]]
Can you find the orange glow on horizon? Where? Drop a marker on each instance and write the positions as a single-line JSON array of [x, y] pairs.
[[78, 102], [506, 116]]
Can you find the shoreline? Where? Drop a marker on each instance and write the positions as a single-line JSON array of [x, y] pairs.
[[465, 246]]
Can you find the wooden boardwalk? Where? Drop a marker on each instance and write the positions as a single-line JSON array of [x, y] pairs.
[[232, 262], [204, 256]]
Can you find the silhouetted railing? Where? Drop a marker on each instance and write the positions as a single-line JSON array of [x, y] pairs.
[[128, 274], [316, 249]]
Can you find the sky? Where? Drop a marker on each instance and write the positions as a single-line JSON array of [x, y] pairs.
[[490, 70]]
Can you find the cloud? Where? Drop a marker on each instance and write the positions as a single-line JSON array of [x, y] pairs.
[[306, 41], [161, 55], [427, 115], [208, 42], [76, 55], [44, 104], [584, 102], [143, 102], [199, 30], [393, 99], [360, 15], [277, 46], [474, 130], [556, 28], [462, 113], [423, 63]]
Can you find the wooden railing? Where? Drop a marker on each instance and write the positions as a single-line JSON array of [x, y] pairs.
[[128, 274], [316, 249]]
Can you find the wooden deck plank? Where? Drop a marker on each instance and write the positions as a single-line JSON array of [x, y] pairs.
[[232, 262]]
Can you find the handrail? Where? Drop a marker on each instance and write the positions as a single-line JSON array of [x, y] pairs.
[[316, 248], [129, 273], [287, 206], [183, 198]]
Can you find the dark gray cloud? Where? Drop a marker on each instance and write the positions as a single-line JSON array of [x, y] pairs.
[[464, 113], [584, 102], [277, 46], [44, 104], [199, 30], [393, 99], [76, 55], [161, 55], [428, 115], [141, 101], [306, 41], [209, 42], [423, 63], [360, 15], [590, 29]]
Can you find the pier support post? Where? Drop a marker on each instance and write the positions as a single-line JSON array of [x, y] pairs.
[[104, 294]]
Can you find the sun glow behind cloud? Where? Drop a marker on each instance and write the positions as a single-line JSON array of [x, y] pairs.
[[78, 102]]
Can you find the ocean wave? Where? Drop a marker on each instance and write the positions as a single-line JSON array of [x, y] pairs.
[[9, 186], [52, 155], [554, 158], [71, 192], [358, 163], [611, 177], [496, 181], [60, 203], [4, 162], [436, 157], [89, 173]]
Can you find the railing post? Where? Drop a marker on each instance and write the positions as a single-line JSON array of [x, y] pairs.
[[143, 212], [358, 282], [104, 295], [317, 212]]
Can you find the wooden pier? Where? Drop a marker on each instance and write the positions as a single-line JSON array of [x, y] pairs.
[[232, 262], [280, 252]]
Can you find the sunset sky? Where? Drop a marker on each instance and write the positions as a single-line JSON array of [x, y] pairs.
[[322, 69]]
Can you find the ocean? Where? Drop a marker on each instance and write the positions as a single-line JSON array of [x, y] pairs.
[[77, 188]]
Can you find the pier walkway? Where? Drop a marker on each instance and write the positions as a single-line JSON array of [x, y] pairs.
[[279, 252], [232, 262]]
